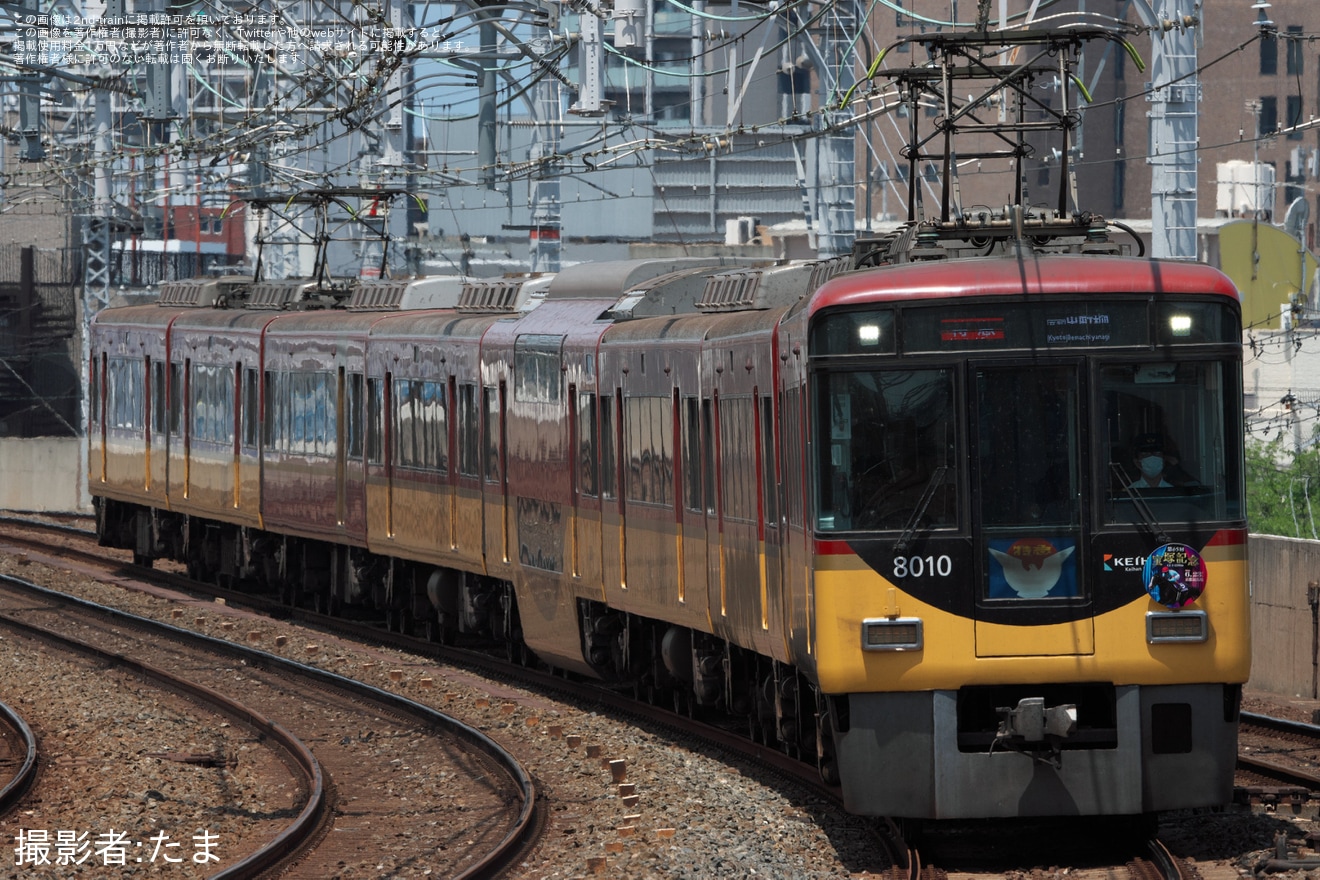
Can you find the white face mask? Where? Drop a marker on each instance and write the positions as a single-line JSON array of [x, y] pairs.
[[1151, 465]]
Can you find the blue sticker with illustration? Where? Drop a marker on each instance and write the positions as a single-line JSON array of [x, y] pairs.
[[1175, 575], [1033, 568]]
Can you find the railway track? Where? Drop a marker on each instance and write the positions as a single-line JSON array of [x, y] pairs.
[[350, 791], [74, 548], [1093, 849], [78, 545], [1278, 760], [18, 757], [906, 863]]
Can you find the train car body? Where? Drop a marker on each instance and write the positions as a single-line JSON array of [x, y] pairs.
[[982, 551], [905, 521]]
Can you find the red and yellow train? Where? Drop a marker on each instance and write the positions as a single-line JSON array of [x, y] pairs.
[[969, 533]]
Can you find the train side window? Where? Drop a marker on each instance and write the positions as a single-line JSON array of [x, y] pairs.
[[217, 423], [790, 421], [607, 459], [283, 402], [327, 407], [158, 398], [250, 398], [769, 471], [375, 423], [404, 422], [648, 432], [224, 414], [297, 412], [691, 429], [269, 422], [491, 398], [588, 443], [467, 430], [708, 454], [737, 459], [353, 416], [437, 430], [124, 394], [537, 368], [94, 391], [176, 398]]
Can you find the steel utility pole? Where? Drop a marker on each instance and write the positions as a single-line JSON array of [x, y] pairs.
[[1175, 93], [547, 103], [832, 176]]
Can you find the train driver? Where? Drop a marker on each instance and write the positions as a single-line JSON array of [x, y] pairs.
[[1153, 461]]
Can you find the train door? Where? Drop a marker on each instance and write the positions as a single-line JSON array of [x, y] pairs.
[[795, 547], [584, 467], [1027, 465], [451, 478], [97, 409], [185, 416], [237, 433], [342, 419], [248, 473], [495, 472], [743, 599], [710, 409], [385, 398], [614, 575], [692, 504], [157, 450], [772, 579]]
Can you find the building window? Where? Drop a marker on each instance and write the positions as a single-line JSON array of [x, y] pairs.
[[1267, 116], [1269, 55], [1294, 116], [1294, 61]]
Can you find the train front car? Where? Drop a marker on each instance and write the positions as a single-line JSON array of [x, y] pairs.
[[1029, 579]]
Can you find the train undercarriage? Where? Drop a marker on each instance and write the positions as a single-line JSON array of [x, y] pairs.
[[695, 673]]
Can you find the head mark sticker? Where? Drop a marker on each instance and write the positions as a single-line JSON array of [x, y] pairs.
[[1175, 575]]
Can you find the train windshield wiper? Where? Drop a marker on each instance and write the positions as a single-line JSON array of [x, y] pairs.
[[1140, 505], [909, 531]]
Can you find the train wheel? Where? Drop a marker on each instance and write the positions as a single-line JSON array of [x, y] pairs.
[[516, 651], [325, 604], [829, 770], [143, 560], [445, 631], [288, 594]]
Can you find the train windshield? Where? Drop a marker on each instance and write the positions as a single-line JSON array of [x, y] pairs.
[[1027, 428], [888, 447], [1161, 446], [1170, 442]]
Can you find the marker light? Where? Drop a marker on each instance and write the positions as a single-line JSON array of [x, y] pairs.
[[868, 334], [1180, 325], [892, 634], [1176, 626]]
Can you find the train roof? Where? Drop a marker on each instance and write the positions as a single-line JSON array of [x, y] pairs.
[[1024, 275], [610, 279]]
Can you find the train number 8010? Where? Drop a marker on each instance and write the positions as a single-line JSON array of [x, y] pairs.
[[923, 566]]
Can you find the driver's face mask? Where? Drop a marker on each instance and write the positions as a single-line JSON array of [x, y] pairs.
[[1151, 465]]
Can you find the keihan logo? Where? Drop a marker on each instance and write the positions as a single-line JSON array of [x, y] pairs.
[[1123, 563]]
